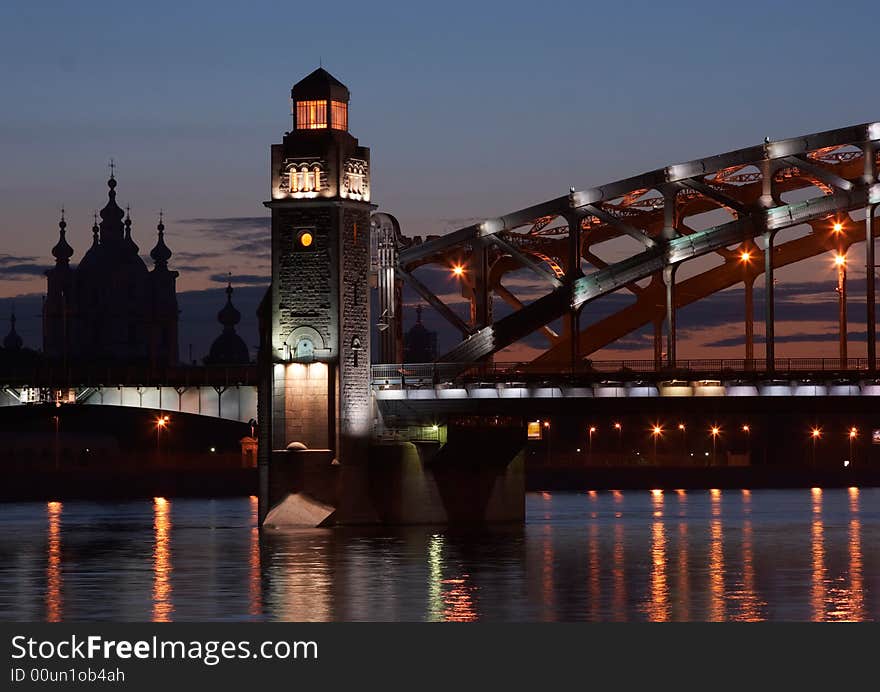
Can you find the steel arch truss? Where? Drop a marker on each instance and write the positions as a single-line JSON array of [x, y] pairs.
[[553, 238]]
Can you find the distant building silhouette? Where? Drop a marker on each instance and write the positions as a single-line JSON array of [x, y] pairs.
[[228, 348], [14, 354], [420, 343], [111, 307], [12, 342]]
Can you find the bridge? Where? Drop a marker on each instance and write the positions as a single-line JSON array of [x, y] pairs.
[[731, 205], [229, 393]]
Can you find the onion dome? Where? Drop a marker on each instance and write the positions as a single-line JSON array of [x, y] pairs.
[[62, 252], [111, 215], [229, 316], [228, 348], [12, 341], [161, 254], [130, 245]]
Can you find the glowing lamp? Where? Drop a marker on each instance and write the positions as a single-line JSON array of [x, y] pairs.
[[745, 256], [839, 260], [816, 433], [457, 271], [306, 239], [837, 227]]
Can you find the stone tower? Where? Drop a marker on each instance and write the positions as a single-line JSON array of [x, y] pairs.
[[316, 323]]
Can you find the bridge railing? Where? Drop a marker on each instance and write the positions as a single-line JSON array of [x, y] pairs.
[[53, 375], [423, 374]]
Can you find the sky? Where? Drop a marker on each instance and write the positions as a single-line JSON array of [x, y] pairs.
[[470, 109]]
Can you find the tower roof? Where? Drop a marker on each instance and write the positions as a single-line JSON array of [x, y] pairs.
[[13, 341], [320, 84], [62, 252], [161, 253], [228, 348]]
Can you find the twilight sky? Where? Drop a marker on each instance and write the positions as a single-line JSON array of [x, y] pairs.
[[471, 110]]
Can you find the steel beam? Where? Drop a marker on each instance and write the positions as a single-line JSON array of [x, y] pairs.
[[821, 173], [526, 261], [622, 226], [436, 303]]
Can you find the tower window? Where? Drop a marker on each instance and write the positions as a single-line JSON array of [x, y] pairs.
[[339, 115], [311, 115]]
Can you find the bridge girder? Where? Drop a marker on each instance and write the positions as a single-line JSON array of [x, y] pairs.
[[652, 208]]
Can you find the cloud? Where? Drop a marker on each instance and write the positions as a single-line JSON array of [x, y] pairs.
[[20, 272], [6, 260], [249, 279], [231, 227], [798, 337]]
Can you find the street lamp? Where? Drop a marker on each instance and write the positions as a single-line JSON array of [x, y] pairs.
[[683, 429], [161, 424], [853, 434], [457, 271], [715, 431], [840, 263], [592, 430], [815, 435], [656, 431], [745, 257]]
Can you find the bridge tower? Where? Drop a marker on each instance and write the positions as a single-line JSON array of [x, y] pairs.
[[317, 309]]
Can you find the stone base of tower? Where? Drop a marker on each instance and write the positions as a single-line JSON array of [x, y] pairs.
[[398, 483]]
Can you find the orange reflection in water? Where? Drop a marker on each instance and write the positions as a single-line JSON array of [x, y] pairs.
[[856, 601], [618, 610], [458, 602], [255, 588], [54, 604], [683, 575], [658, 608], [716, 561], [750, 604], [594, 567], [817, 531], [162, 605]]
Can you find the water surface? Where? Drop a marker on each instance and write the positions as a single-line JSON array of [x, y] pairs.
[[634, 555]]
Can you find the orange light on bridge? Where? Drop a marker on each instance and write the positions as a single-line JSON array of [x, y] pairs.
[[457, 271], [681, 427], [592, 429], [162, 421], [745, 256], [617, 426], [746, 428], [715, 431], [837, 227], [656, 430], [816, 433], [839, 260], [853, 433]]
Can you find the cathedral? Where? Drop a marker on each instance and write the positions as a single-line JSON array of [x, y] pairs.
[[111, 308]]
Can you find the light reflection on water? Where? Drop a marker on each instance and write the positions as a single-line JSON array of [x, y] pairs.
[[622, 555]]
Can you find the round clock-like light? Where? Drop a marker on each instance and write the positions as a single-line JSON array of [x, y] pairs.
[[306, 239]]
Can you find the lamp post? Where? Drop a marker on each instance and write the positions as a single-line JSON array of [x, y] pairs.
[[656, 432], [714, 431], [619, 428], [683, 429], [591, 431], [161, 424], [840, 263], [815, 435], [748, 283], [853, 434], [547, 446]]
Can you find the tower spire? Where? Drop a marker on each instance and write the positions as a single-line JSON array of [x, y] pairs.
[[13, 341], [161, 253], [62, 252]]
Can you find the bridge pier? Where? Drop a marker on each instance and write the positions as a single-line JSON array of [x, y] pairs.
[[319, 460]]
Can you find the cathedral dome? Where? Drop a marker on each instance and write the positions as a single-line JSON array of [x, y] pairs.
[[62, 251], [161, 252], [12, 341], [228, 348]]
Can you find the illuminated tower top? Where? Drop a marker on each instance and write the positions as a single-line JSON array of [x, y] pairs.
[[320, 102]]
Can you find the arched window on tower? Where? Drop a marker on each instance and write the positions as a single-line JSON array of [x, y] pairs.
[[317, 173]]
